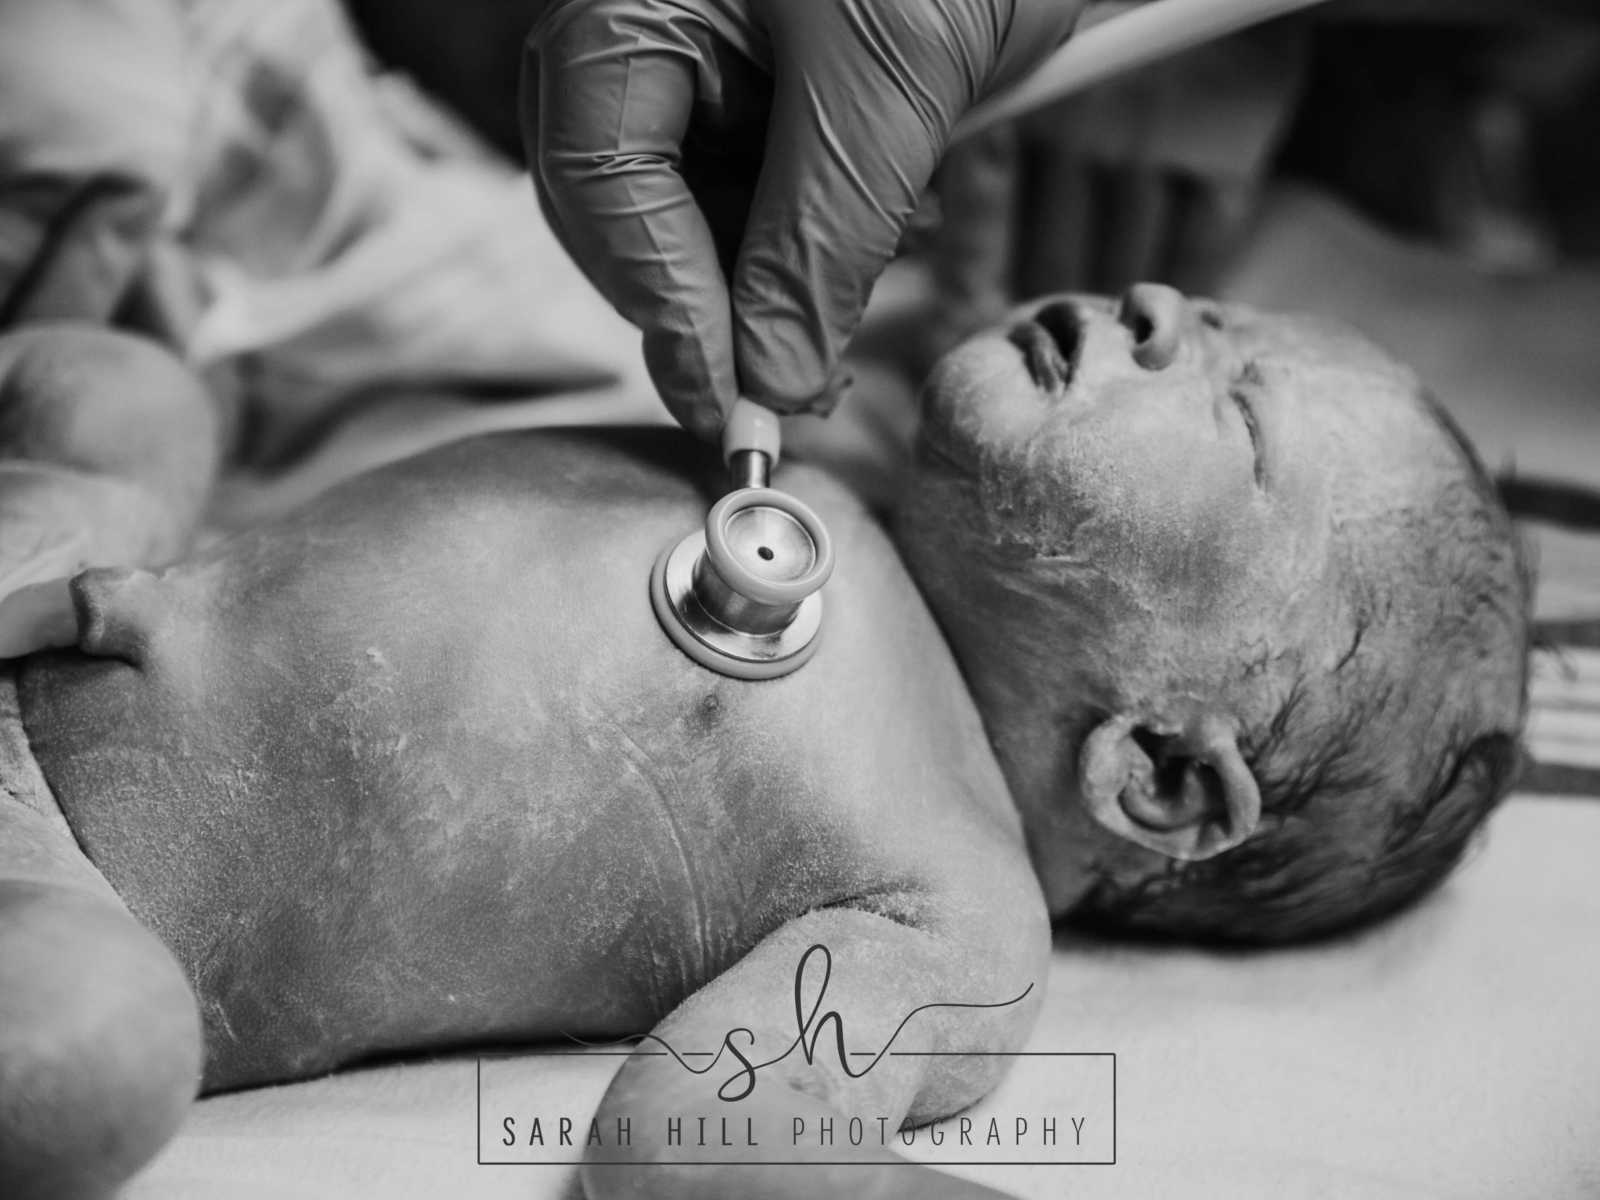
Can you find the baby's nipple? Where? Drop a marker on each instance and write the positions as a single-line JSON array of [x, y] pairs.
[[118, 612]]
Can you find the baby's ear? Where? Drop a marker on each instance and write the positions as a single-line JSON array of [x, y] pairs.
[[1187, 794]]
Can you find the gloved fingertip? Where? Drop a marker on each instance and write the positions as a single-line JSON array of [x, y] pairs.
[[818, 403], [839, 387], [701, 417]]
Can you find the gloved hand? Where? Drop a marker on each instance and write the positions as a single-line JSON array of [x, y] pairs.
[[734, 174]]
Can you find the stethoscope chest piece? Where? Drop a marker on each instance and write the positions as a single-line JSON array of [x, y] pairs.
[[743, 596]]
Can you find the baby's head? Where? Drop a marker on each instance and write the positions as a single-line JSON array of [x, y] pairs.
[[1243, 614]]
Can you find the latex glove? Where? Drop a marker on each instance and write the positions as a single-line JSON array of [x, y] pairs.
[[1150, 177], [734, 174]]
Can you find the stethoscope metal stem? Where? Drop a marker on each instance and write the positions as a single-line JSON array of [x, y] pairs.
[[749, 469]]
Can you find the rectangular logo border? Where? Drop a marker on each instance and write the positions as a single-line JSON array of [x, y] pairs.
[[803, 1162]]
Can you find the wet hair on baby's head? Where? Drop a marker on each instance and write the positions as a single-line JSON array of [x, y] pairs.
[[1374, 777]]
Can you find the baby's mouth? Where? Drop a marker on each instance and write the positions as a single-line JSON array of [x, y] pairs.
[[1051, 344]]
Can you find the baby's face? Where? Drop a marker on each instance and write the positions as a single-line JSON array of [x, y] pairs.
[[1103, 536], [1212, 480]]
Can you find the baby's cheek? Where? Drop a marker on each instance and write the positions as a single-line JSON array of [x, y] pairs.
[[1299, 529], [1168, 524]]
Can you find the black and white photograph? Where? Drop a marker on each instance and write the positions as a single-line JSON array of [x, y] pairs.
[[710, 599]]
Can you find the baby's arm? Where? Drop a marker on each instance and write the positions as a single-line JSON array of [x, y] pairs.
[[108, 450], [875, 970]]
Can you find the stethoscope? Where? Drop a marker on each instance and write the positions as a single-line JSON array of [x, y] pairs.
[[743, 595]]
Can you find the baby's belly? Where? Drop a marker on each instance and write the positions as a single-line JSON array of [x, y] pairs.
[[360, 872]]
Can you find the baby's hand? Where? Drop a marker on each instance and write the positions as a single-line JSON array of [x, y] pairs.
[[108, 449], [38, 616], [798, 1036]]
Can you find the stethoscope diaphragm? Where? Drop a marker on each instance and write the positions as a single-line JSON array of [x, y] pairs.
[[742, 596]]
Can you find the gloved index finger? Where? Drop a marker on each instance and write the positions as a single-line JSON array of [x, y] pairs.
[[848, 153], [609, 87]]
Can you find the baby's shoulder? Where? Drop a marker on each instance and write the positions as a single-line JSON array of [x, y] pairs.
[[849, 520], [927, 850]]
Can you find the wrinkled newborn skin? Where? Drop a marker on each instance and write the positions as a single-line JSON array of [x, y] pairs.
[[418, 767]]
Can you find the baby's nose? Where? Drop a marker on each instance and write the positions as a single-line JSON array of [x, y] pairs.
[[1153, 314]]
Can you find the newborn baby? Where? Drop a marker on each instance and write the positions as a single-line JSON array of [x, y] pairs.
[[1202, 622]]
